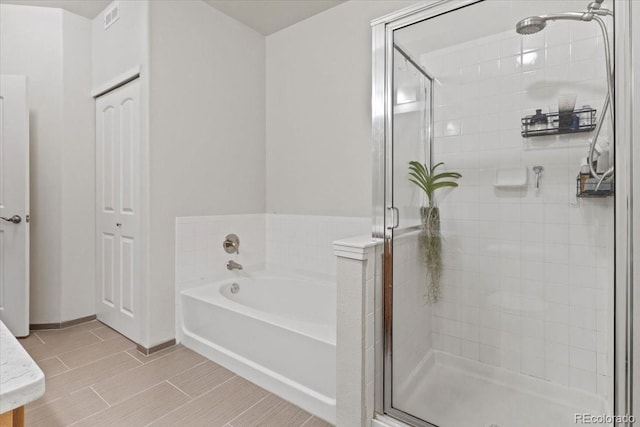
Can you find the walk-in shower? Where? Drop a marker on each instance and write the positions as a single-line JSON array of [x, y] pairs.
[[522, 333]]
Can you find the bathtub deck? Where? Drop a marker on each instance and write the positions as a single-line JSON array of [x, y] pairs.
[[95, 377]]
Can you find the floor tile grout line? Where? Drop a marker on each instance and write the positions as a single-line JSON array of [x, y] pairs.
[[38, 336], [63, 364], [98, 394], [121, 401], [98, 359], [193, 400], [139, 366], [61, 351], [308, 419], [31, 409], [179, 389], [241, 413], [94, 334], [132, 345], [141, 363], [187, 369], [135, 394]]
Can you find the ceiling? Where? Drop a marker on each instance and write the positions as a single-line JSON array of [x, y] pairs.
[[269, 16], [87, 8], [264, 16]]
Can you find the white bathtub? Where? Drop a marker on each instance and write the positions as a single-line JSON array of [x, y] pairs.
[[278, 331]]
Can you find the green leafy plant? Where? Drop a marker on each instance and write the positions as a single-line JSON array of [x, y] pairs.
[[430, 237], [428, 181]]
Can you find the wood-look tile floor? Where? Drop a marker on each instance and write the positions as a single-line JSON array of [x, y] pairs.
[[96, 377]]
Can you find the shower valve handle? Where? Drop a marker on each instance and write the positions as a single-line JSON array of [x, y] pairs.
[[231, 244]]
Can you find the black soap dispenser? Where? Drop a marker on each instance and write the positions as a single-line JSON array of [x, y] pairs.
[[539, 120]]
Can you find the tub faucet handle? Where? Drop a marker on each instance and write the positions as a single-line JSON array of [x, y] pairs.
[[231, 244]]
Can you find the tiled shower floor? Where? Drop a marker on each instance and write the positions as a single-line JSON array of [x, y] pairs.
[[96, 377]]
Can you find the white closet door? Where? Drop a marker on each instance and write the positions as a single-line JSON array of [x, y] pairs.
[[118, 209]]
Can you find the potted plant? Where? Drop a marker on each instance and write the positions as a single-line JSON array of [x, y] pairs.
[[430, 236]]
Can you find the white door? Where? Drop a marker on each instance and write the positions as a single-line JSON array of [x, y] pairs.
[[118, 209], [14, 205]]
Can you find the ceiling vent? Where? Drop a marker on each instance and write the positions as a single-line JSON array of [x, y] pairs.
[[111, 16]]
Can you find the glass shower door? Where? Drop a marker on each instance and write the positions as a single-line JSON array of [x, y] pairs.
[[412, 136], [521, 331]]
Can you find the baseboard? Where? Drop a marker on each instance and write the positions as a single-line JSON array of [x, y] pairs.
[[150, 350], [61, 325]]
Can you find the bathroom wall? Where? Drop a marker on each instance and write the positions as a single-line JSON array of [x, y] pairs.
[[50, 47], [77, 161], [528, 273], [124, 45], [319, 112], [305, 242], [207, 121]]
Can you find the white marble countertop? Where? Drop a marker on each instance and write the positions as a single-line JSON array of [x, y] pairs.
[[21, 380]]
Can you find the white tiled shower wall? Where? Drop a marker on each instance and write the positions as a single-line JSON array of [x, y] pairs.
[[528, 275]]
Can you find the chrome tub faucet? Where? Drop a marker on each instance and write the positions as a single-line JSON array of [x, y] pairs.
[[232, 265]]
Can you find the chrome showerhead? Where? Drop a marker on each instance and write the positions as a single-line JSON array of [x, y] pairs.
[[531, 25], [534, 24]]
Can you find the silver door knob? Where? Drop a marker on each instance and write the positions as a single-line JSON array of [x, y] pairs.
[[16, 219]]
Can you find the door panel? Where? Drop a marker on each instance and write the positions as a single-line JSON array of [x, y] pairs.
[[14, 200], [118, 198], [107, 268]]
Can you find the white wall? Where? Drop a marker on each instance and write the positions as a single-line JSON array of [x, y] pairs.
[[319, 112], [122, 46], [38, 55], [50, 47], [77, 158], [207, 124]]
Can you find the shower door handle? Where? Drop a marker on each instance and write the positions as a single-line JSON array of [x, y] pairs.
[[395, 214]]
